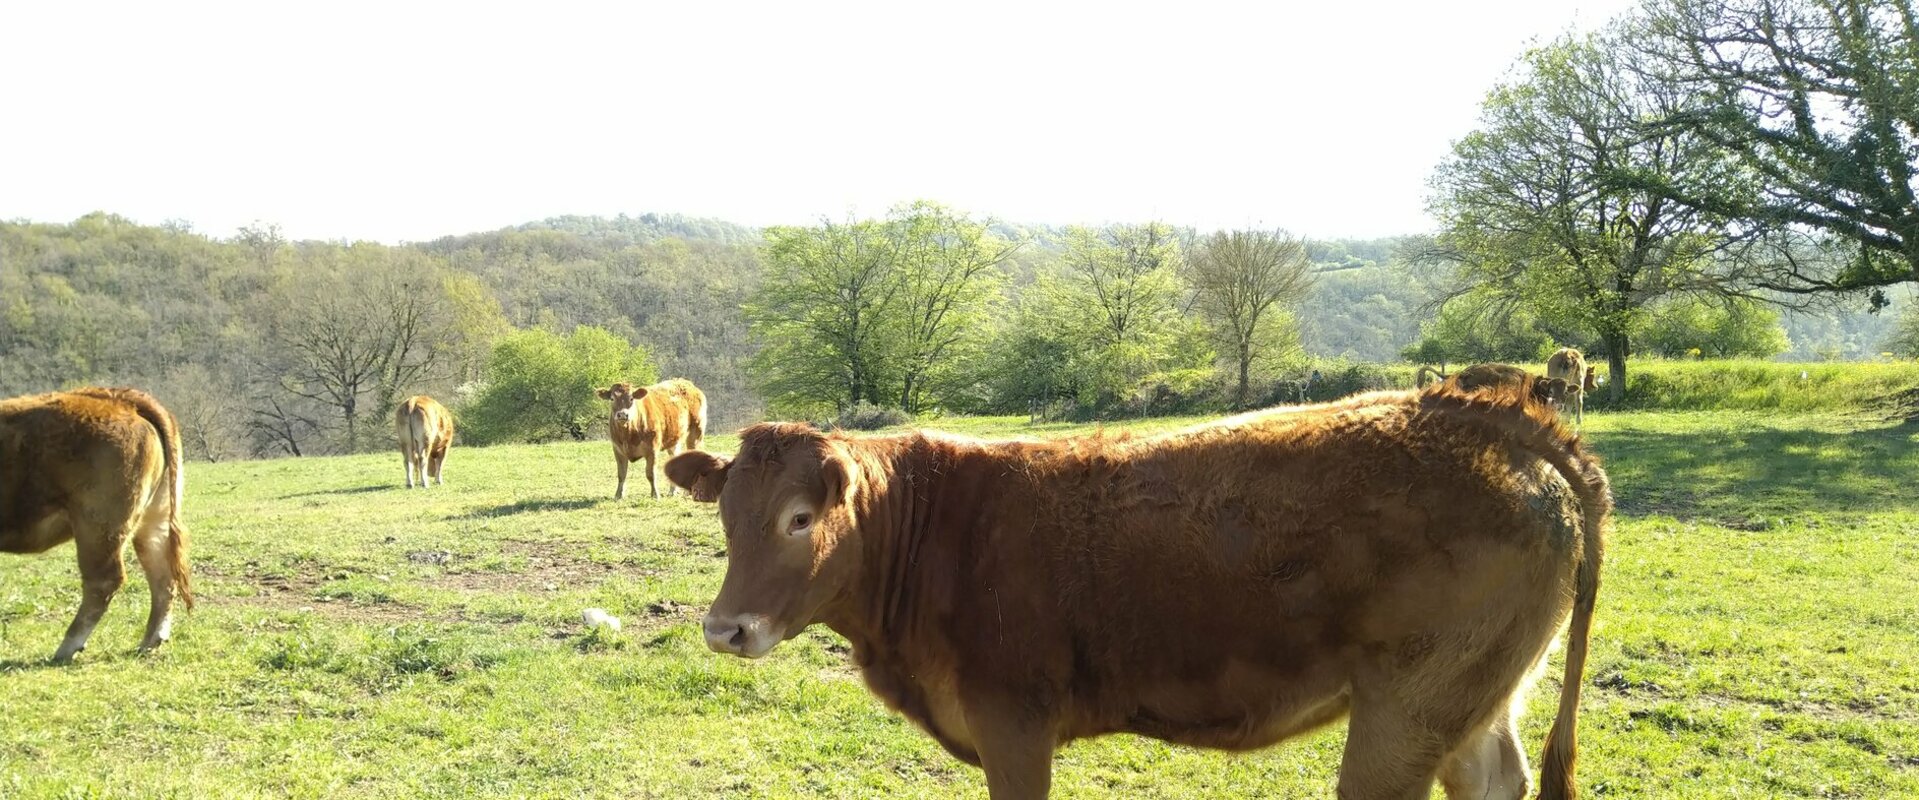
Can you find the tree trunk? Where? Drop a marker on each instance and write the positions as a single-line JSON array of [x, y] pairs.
[[1617, 346], [1245, 367]]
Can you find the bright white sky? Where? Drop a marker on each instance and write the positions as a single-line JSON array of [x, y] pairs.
[[401, 121]]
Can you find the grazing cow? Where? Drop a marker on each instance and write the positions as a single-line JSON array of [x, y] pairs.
[[1569, 366], [669, 415], [425, 430], [1402, 559], [99, 467]]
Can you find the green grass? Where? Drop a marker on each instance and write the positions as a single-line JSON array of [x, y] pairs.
[[1751, 385], [358, 640]]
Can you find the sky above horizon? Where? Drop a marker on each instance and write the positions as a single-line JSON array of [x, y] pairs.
[[406, 122]]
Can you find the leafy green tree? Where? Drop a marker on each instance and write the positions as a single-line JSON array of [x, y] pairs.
[[1528, 222], [1243, 282], [1103, 323], [1816, 102], [1474, 329], [873, 311], [540, 385], [1725, 328]]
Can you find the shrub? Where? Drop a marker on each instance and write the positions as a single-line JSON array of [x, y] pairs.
[[864, 416]]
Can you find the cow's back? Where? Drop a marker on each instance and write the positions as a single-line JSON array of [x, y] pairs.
[[1218, 587], [674, 410]]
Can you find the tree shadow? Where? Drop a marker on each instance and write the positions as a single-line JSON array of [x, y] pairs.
[[529, 506], [31, 664], [1735, 473], [349, 490]]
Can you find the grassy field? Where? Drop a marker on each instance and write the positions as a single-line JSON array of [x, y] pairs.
[[1756, 638]]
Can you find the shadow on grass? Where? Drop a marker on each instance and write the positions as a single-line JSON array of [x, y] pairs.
[[1734, 474], [381, 487], [528, 506]]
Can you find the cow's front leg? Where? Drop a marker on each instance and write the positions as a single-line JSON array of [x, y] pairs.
[[1015, 749], [652, 479], [619, 459]]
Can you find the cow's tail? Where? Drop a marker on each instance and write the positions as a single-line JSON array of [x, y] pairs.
[[175, 478]]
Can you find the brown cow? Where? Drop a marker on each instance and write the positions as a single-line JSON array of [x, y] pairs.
[[99, 467], [1402, 559], [669, 415], [1568, 365], [425, 430]]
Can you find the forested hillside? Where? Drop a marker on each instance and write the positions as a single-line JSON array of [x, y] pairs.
[[269, 346]]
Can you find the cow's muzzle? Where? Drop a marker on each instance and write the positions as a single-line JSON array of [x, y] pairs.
[[746, 635]]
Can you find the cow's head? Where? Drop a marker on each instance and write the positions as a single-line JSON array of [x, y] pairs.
[[785, 501], [626, 400], [1591, 383]]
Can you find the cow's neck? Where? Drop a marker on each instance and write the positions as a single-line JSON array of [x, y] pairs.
[[917, 510]]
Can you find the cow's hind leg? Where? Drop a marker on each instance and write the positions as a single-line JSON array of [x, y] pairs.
[[152, 546], [1490, 765], [439, 466], [101, 574]]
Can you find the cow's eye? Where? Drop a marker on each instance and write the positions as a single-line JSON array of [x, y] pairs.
[[801, 521]]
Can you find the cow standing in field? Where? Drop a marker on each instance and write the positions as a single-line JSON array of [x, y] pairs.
[[1567, 364], [1401, 559], [669, 415], [425, 430], [100, 467]]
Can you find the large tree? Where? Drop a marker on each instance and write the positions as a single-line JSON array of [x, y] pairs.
[[872, 311], [1817, 102], [1243, 282], [1530, 220]]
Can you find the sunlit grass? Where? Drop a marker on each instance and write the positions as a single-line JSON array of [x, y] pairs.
[[360, 640]]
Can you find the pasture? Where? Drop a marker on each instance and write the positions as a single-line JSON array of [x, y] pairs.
[[355, 639]]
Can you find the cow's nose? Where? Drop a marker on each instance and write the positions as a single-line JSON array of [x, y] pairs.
[[725, 635]]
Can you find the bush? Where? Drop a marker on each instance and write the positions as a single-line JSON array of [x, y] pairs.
[[864, 416], [540, 386]]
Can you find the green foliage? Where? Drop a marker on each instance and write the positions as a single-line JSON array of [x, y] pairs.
[[1772, 386], [1712, 329], [1905, 340], [1525, 221], [1102, 329], [877, 311], [540, 386], [1468, 332]]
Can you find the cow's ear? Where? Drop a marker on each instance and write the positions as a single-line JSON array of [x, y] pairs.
[[838, 473], [638, 392], [699, 472], [605, 394]]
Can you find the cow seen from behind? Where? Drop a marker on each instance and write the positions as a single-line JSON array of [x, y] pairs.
[[101, 468], [1402, 560], [668, 416], [425, 430]]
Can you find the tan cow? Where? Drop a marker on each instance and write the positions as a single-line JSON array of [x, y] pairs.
[[425, 430], [1568, 365], [1400, 559], [100, 467], [669, 415]]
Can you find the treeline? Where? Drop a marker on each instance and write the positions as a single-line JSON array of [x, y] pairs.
[[265, 346]]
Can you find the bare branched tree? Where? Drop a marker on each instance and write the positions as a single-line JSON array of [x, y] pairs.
[[1242, 281]]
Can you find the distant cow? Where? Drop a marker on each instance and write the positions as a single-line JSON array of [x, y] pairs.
[[669, 416], [425, 430], [1402, 559], [100, 467], [1568, 365]]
